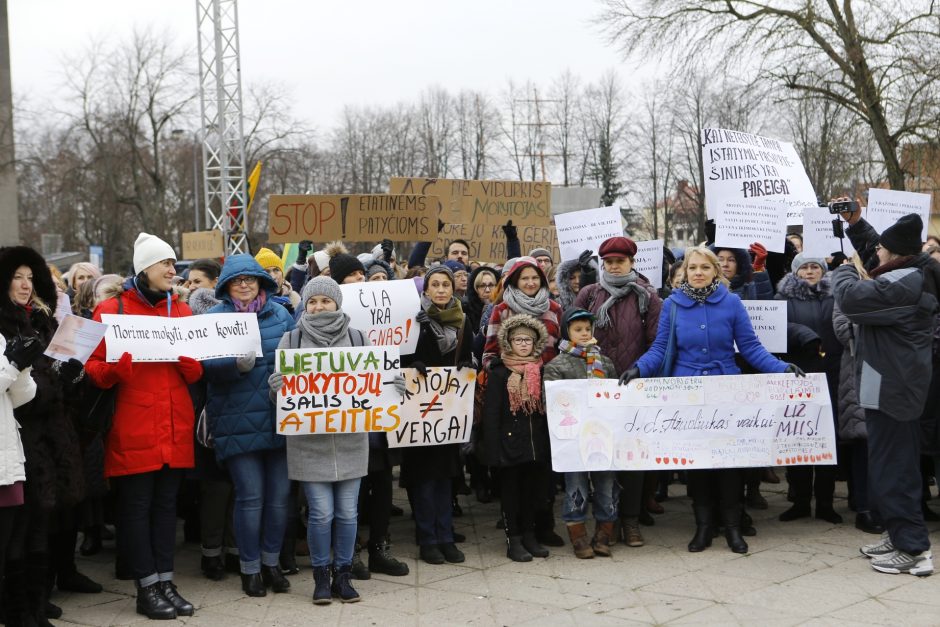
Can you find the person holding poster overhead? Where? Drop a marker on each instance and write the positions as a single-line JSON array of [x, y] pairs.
[[811, 343], [144, 459], [701, 323], [427, 471], [515, 432], [329, 466], [627, 310], [241, 421]]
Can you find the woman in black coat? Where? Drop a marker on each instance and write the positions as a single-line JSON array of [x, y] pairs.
[[427, 471], [813, 346]]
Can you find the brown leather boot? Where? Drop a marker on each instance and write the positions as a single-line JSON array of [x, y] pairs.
[[603, 532], [579, 540]]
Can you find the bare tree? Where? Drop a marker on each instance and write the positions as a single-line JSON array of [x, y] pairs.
[[562, 113], [476, 132], [877, 59]]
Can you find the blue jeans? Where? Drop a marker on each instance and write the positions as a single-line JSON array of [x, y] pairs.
[[605, 497], [260, 515], [329, 502], [432, 503]]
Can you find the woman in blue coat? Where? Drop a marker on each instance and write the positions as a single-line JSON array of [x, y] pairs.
[[709, 320], [241, 420]]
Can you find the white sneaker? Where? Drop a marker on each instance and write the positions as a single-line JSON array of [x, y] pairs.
[[880, 548], [902, 562]]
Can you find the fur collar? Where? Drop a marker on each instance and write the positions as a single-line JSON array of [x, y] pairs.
[[521, 320], [793, 287]]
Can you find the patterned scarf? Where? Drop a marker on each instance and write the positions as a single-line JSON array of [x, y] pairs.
[[254, 306], [588, 352], [519, 302], [699, 294], [525, 383], [620, 286], [445, 323]]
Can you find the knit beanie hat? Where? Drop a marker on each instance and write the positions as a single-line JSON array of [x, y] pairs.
[[322, 286], [150, 249], [802, 259], [379, 267], [267, 258], [435, 269], [903, 237], [541, 252], [342, 265], [322, 259], [455, 266]]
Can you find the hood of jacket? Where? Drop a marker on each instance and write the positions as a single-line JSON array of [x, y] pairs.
[[793, 287], [563, 274], [202, 300], [521, 320], [11, 258], [243, 265], [745, 271]]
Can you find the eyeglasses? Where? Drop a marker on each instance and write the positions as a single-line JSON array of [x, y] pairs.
[[522, 340], [244, 280], [486, 286]]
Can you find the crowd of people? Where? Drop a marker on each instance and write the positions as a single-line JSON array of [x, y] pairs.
[[139, 444]]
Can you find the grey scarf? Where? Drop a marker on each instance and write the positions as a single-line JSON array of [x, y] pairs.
[[444, 334], [619, 287], [325, 329], [519, 302]]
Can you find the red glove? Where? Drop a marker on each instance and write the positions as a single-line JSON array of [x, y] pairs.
[[123, 369], [190, 369], [760, 257]]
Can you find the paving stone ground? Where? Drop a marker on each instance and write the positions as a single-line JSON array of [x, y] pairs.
[[806, 572]]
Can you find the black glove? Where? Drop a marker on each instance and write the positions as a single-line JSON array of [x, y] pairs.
[[794, 369], [422, 318], [629, 375], [495, 361], [302, 249], [23, 351], [465, 363], [387, 249], [420, 367], [510, 231], [440, 225], [71, 371]]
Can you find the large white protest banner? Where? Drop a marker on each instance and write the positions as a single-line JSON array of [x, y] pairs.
[[337, 390], [769, 319], [819, 239], [385, 312], [740, 224], [736, 421], [437, 408], [649, 261], [586, 230], [742, 168], [155, 338], [885, 206]]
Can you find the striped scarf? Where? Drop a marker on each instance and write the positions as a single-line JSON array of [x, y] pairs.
[[588, 353]]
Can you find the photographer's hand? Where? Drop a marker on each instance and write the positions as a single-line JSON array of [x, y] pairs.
[[852, 217]]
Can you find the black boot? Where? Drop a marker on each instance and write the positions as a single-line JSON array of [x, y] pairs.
[[515, 551], [74, 581], [732, 520], [321, 586], [342, 585], [358, 569], [15, 605], [747, 524], [91, 543], [532, 545], [213, 568], [274, 578], [37, 594], [288, 560], [381, 561], [182, 606], [152, 604], [253, 585], [703, 529]]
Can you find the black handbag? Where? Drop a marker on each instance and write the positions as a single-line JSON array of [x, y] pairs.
[[99, 408]]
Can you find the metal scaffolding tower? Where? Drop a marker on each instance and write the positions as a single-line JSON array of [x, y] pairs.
[[223, 142]]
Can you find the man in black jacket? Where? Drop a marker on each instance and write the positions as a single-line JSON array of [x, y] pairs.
[[895, 313]]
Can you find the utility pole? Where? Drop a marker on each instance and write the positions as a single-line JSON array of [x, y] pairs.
[[9, 212], [538, 124]]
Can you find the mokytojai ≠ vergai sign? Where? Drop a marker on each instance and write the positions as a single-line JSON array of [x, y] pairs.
[[337, 390], [735, 421], [437, 408]]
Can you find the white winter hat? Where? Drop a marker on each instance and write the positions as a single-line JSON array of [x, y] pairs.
[[322, 259], [150, 249]]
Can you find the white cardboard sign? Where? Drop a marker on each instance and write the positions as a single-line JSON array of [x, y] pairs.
[[385, 312], [885, 206], [586, 230], [769, 319], [437, 409], [818, 239], [737, 421], [740, 224], [156, 338], [649, 261]]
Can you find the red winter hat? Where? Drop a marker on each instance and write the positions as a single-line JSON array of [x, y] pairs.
[[617, 247]]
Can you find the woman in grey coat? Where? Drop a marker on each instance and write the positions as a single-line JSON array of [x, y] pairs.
[[329, 466]]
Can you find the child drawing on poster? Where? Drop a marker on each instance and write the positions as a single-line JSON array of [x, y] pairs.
[[567, 427], [597, 445]]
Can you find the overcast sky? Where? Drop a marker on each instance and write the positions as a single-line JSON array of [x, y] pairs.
[[330, 53]]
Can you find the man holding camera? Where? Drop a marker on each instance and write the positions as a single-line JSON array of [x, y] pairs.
[[895, 315]]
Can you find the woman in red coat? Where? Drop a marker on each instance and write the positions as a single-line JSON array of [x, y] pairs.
[[151, 438]]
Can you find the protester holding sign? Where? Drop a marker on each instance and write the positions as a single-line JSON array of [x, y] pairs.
[[579, 357], [145, 458], [427, 471], [627, 309], [242, 420], [812, 345], [329, 465], [701, 323], [515, 432]]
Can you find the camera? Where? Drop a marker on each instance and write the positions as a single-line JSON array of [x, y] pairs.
[[843, 206]]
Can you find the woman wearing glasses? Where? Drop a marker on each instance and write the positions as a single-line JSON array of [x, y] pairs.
[[241, 420]]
